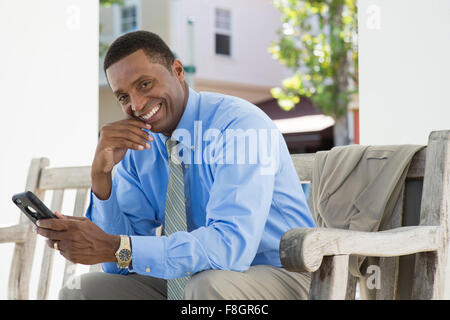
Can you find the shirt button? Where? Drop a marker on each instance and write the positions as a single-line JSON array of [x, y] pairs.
[[147, 269], [186, 166], [188, 272], [94, 206]]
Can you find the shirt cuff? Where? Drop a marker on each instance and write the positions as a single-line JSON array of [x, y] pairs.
[[148, 255], [104, 213]]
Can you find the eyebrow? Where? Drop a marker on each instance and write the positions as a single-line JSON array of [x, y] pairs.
[[134, 82]]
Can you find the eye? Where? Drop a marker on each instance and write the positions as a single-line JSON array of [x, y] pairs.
[[122, 98], [145, 84]]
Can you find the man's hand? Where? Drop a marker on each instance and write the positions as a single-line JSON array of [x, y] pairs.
[[79, 239], [115, 139]]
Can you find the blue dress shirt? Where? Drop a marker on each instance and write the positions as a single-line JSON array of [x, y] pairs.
[[242, 193]]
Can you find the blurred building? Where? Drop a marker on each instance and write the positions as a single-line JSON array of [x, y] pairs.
[[305, 129], [223, 45]]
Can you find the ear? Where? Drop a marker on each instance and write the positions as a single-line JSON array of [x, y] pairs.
[[178, 70]]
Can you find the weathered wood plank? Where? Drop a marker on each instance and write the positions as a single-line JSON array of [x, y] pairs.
[[22, 262], [65, 178], [351, 287], [16, 233], [94, 268], [330, 281], [430, 269], [411, 217], [80, 202], [47, 259], [302, 249], [303, 163], [426, 284], [78, 211], [389, 266]]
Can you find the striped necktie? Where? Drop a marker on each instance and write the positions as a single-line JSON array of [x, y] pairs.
[[175, 212]]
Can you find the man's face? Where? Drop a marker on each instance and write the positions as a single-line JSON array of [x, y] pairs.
[[149, 91]]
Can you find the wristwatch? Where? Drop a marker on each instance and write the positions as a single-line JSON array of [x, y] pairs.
[[123, 254]]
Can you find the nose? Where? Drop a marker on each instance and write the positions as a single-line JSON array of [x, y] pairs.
[[137, 103]]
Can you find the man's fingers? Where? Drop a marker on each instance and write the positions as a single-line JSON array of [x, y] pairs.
[[51, 234], [131, 133], [53, 224], [129, 144], [62, 245], [51, 243], [63, 216], [131, 124], [60, 215], [136, 123], [75, 218]]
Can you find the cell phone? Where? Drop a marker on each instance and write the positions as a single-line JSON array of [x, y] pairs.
[[32, 206]]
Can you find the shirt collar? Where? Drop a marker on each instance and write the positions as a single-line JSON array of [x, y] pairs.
[[190, 114]]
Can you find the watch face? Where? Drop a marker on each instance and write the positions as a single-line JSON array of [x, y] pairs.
[[124, 255]]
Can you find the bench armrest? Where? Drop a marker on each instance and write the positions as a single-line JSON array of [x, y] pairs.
[[302, 249], [15, 233]]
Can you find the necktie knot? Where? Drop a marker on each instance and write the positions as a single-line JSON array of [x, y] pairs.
[[172, 150], [170, 144]]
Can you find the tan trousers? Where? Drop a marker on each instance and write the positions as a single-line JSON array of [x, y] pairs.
[[257, 283]]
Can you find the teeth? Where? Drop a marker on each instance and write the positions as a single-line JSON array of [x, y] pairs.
[[151, 113]]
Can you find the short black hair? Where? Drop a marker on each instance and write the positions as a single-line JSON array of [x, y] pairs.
[[153, 46]]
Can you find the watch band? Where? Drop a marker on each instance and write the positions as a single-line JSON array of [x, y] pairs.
[[123, 254]]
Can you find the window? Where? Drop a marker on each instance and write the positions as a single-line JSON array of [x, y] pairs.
[[128, 17], [223, 32], [223, 44]]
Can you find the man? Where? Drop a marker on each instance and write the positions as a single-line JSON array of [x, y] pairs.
[[182, 162]]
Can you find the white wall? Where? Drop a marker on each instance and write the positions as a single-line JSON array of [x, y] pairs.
[[404, 56], [49, 97], [254, 24]]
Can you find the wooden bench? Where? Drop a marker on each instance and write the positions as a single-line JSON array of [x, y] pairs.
[[423, 248], [40, 180], [414, 251]]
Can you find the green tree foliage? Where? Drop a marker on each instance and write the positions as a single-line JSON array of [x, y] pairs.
[[103, 47], [107, 3], [318, 42]]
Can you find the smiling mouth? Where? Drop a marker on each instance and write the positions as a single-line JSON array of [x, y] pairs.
[[147, 116]]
